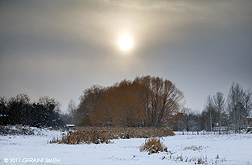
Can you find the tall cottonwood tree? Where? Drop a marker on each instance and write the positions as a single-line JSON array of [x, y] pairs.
[[88, 104], [118, 105], [161, 98], [219, 104], [71, 108], [247, 102], [146, 101], [239, 104], [210, 114]]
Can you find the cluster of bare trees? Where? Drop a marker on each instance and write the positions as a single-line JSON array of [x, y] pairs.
[[154, 102], [214, 111], [219, 114], [232, 112], [20, 110], [146, 101]]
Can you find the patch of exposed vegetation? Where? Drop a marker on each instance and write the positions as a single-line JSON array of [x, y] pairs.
[[194, 148], [153, 145], [194, 160], [99, 135]]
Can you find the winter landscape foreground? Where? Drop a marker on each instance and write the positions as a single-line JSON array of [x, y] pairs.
[[182, 149]]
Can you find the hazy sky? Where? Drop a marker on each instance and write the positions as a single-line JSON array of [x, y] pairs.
[[60, 48]]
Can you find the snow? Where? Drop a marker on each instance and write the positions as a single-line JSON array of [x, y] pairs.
[[3, 115], [69, 125], [216, 149]]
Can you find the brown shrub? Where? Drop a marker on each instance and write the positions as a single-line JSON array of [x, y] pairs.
[[153, 145], [105, 134]]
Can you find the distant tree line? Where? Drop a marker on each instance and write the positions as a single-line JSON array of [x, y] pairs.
[[20, 110], [153, 102], [232, 113], [146, 101]]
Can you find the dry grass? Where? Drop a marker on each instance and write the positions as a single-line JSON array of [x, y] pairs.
[[153, 145], [195, 160], [78, 137], [99, 135], [194, 148]]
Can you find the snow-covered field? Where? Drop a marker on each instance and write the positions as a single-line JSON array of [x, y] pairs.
[[183, 149]]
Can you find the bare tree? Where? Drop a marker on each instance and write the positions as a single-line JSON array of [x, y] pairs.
[[162, 99], [247, 101], [239, 105], [71, 108], [210, 114], [219, 104]]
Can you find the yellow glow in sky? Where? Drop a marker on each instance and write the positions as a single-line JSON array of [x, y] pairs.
[[125, 43]]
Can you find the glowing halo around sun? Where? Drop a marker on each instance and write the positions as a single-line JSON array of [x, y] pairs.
[[125, 43]]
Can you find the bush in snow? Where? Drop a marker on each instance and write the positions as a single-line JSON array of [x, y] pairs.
[[153, 145]]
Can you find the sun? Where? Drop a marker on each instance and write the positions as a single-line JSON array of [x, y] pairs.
[[125, 43]]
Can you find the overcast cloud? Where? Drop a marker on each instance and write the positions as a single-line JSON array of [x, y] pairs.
[[60, 48]]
